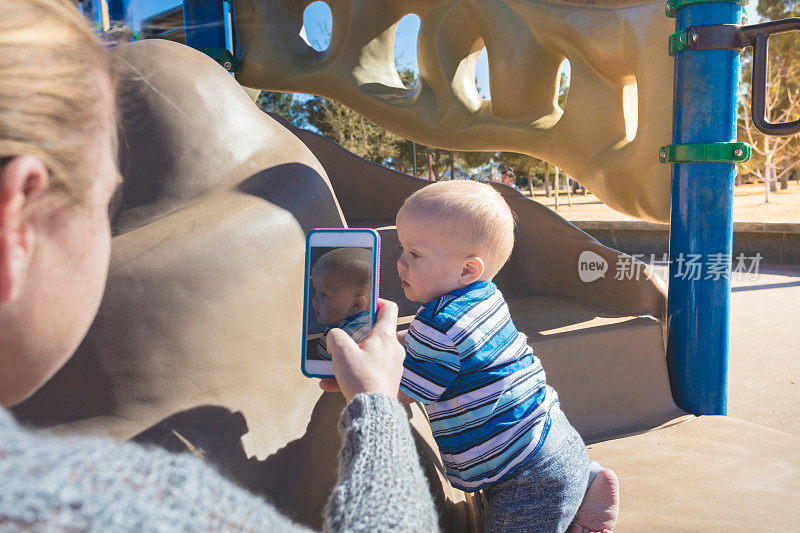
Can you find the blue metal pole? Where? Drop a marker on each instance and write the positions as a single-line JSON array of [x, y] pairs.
[[701, 224], [94, 12], [119, 11], [227, 24], [204, 24]]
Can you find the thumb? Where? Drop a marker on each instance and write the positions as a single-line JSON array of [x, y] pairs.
[[339, 343]]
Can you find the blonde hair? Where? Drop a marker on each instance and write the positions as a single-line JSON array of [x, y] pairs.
[[473, 213], [352, 265], [52, 93]]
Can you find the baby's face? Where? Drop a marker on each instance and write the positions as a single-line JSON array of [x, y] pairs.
[[431, 263], [333, 301]]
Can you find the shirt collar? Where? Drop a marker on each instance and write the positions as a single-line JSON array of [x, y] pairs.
[[353, 317], [474, 286]]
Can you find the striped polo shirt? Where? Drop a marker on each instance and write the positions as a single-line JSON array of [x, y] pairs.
[[483, 389], [357, 326]]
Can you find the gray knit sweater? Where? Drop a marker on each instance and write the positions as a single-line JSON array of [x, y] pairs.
[[50, 483]]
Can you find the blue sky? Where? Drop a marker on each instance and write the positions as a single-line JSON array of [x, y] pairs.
[[317, 22]]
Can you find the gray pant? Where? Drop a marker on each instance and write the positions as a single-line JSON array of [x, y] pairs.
[[545, 493]]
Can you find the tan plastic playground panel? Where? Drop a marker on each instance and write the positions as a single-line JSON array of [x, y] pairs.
[[196, 344], [618, 113]]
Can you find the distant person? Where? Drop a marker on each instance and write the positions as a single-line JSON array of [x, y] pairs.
[[57, 175], [497, 423], [342, 280], [507, 178]]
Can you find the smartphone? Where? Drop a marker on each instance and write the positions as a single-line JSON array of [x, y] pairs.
[[341, 291]]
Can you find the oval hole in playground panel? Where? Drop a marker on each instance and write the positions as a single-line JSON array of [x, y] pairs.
[[317, 25], [405, 49], [564, 76], [482, 75]]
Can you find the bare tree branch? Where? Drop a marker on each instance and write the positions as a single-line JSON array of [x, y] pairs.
[[751, 171], [785, 142], [787, 169]]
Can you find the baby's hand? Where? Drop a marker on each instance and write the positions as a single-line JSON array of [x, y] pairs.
[[401, 336]]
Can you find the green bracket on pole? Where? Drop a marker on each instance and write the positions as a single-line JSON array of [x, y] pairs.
[[678, 42], [732, 152], [673, 6], [221, 56]]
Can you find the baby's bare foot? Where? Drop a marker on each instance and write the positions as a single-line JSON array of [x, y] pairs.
[[600, 506]]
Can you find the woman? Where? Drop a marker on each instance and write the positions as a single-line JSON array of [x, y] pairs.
[[57, 175]]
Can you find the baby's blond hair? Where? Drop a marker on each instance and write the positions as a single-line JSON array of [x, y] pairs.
[[474, 214], [352, 265], [52, 99]]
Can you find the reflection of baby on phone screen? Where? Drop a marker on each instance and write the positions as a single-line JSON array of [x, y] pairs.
[[342, 283]]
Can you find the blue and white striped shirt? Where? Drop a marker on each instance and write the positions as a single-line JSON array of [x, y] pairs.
[[484, 390], [357, 326]]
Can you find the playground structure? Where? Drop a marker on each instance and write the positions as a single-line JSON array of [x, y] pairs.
[[193, 345]]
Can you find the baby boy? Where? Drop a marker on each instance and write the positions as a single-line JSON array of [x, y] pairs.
[[497, 423], [342, 283]]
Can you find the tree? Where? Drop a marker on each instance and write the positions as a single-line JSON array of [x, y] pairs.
[[351, 130], [365, 139], [474, 163], [281, 104], [774, 158]]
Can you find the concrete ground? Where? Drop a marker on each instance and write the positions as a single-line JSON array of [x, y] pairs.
[[764, 364], [764, 373]]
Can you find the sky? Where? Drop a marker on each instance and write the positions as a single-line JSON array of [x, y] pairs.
[[317, 21]]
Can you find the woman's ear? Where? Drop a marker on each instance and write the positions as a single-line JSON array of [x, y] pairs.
[[20, 179], [474, 267]]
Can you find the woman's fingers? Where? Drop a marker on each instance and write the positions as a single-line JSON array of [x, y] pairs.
[[374, 366], [386, 318], [338, 343], [329, 385]]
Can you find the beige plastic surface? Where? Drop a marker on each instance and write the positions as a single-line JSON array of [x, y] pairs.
[[619, 110], [712, 473], [609, 368]]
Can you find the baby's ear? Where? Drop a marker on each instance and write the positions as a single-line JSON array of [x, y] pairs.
[[360, 303], [473, 269]]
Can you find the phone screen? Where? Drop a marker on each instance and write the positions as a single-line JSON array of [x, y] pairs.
[[340, 293]]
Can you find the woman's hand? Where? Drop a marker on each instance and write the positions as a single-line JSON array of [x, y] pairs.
[[376, 365]]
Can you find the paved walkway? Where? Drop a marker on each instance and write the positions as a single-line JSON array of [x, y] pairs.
[[764, 378], [748, 205], [764, 364]]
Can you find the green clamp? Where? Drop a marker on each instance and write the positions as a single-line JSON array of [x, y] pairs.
[[678, 42], [221, 56], [731, 152], [673, 6]]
